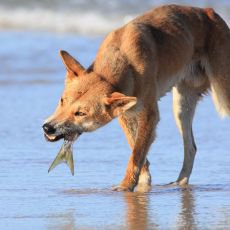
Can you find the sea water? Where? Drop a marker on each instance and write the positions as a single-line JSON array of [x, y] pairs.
[[31, 82]]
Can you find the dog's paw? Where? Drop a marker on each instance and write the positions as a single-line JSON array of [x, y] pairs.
[[183, 182], [143, 188], [121, 188], [175, 183]]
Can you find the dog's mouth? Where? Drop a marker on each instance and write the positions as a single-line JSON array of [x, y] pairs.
[[52, 138]]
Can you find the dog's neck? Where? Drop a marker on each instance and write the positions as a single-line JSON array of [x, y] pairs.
[[113, 67]]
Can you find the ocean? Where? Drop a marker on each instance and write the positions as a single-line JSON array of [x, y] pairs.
[[31, 82], [84, 16]]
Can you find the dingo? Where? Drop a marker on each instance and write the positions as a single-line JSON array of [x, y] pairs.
[[178, 48]]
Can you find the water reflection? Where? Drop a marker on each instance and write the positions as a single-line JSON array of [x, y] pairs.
[[186, 216], [162, 208], [65, 221], [137, 211], [140, 212]]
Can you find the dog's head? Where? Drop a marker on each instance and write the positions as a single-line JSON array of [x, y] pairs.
[[87, 103]]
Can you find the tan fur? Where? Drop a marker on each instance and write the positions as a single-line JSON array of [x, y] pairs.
[[184, 48]]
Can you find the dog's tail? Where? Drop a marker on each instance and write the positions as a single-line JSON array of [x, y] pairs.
[[221, 97], [219, 63]]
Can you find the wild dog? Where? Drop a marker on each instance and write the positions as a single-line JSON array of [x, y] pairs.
[[172, 47]]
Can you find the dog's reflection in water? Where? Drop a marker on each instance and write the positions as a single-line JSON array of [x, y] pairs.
[[141, 214]]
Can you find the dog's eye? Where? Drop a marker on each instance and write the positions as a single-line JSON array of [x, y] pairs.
[[80, 114]]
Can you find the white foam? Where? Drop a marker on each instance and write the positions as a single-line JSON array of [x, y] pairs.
[[44, 19], [68, 20]]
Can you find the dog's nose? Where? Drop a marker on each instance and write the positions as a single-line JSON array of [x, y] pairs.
[[48, 129]]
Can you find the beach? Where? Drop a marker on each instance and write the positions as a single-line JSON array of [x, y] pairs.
[[31, 82]]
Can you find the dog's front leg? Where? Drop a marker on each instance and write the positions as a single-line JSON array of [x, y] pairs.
[[146, 124], [129, 124]]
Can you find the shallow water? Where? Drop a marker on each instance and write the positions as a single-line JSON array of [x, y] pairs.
[[31, 81]]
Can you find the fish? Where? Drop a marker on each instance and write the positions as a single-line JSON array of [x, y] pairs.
[[65, 155]]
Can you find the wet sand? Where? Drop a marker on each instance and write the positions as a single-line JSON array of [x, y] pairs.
[[30, 85]]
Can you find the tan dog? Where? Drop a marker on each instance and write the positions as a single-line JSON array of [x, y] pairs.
[[175, 47]]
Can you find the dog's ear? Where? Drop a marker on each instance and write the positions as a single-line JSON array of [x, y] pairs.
[[119, 103], [71, 64]]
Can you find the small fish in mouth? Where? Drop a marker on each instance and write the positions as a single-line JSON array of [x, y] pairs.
[[64, 155]]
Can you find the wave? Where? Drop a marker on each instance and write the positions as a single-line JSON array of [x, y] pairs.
[[45, 19], [83, 20]]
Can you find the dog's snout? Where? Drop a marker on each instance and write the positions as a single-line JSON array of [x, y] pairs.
[[48, 129]]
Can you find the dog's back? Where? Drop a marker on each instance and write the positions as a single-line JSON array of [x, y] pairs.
[[173, 43]]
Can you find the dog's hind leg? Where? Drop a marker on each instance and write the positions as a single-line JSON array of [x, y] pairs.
[[185, 98], [129, 125]]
